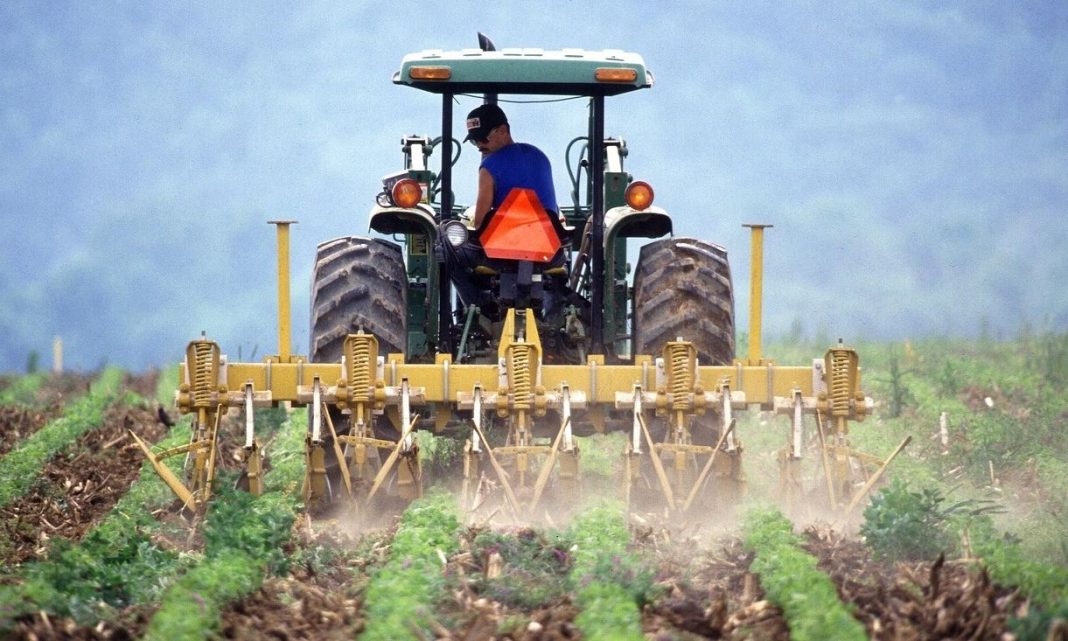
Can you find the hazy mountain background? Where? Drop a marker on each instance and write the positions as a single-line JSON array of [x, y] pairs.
[[913, 156]]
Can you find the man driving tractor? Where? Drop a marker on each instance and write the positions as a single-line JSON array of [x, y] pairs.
[[506, 165]]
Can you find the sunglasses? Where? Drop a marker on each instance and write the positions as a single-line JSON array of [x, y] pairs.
[[485, 139]]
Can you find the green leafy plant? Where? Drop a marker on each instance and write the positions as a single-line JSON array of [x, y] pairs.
[[1045, 584], [21, 466], [792, 581], [905, 524], [438, 454], [114, 565], [609, 581], [402, 594], [22, 390], [900, 396], [245, 540]]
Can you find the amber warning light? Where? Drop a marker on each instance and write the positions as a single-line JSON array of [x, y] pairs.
[[615, 74], [430, 73], [407, 193], [639, 195]]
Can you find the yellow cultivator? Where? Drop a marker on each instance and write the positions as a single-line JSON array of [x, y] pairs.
[[662, 403]]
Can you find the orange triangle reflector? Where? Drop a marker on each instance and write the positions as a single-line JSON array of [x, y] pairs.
[[521, 230]]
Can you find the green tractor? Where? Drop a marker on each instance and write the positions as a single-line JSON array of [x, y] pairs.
[[400, 291]]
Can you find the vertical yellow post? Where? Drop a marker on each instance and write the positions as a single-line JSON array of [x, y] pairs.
[[283, 287], [756, 291]]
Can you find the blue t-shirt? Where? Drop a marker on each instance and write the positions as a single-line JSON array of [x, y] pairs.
[[521, 165]]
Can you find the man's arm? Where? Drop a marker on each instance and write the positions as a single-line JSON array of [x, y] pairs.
[[484, 201]]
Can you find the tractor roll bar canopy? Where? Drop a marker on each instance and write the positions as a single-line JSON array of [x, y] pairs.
[[567, 72], [573, 72]]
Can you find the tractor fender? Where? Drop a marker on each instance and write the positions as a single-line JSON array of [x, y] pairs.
[[626, 222], [401, 220]]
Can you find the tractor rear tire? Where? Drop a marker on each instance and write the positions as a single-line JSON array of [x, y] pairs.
[[358, 283], [682, 288]]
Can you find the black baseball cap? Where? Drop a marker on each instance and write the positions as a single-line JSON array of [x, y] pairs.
[[482, 120]]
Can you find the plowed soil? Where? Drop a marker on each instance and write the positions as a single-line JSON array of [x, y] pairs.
[[704, 588]]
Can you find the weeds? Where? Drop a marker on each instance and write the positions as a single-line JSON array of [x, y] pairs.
[[534, 567], [902, 524], [900, 396]]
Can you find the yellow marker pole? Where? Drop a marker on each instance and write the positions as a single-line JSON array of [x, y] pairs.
[[756, 291], [283, 287]]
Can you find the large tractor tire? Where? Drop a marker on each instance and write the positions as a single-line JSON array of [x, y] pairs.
[[682, 287], [358, 283]]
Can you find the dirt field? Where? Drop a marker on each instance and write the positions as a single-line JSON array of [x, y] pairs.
[[704, 589]]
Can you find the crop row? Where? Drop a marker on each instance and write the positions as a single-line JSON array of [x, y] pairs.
[[590, 559], [792, 581], [20, 467], [125, 560], [608, 580], [245, 538], [22, 389], [116, 564], [1044, 583], [402, 593]]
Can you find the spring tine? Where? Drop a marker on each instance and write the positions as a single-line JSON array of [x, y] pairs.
[[165, 473], [342, 463], [547, 466], [565, 413], [665, 485], [636, 428], [501, 474], [708, 467], [827, 472], [392, 460], [317, 412], [406, 412]]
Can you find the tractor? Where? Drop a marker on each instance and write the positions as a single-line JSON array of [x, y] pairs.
[[393, 350]]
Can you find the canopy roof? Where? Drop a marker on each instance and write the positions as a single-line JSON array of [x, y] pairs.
[[573, 72]]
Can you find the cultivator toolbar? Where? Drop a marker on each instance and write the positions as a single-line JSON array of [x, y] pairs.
[[679, 416]]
